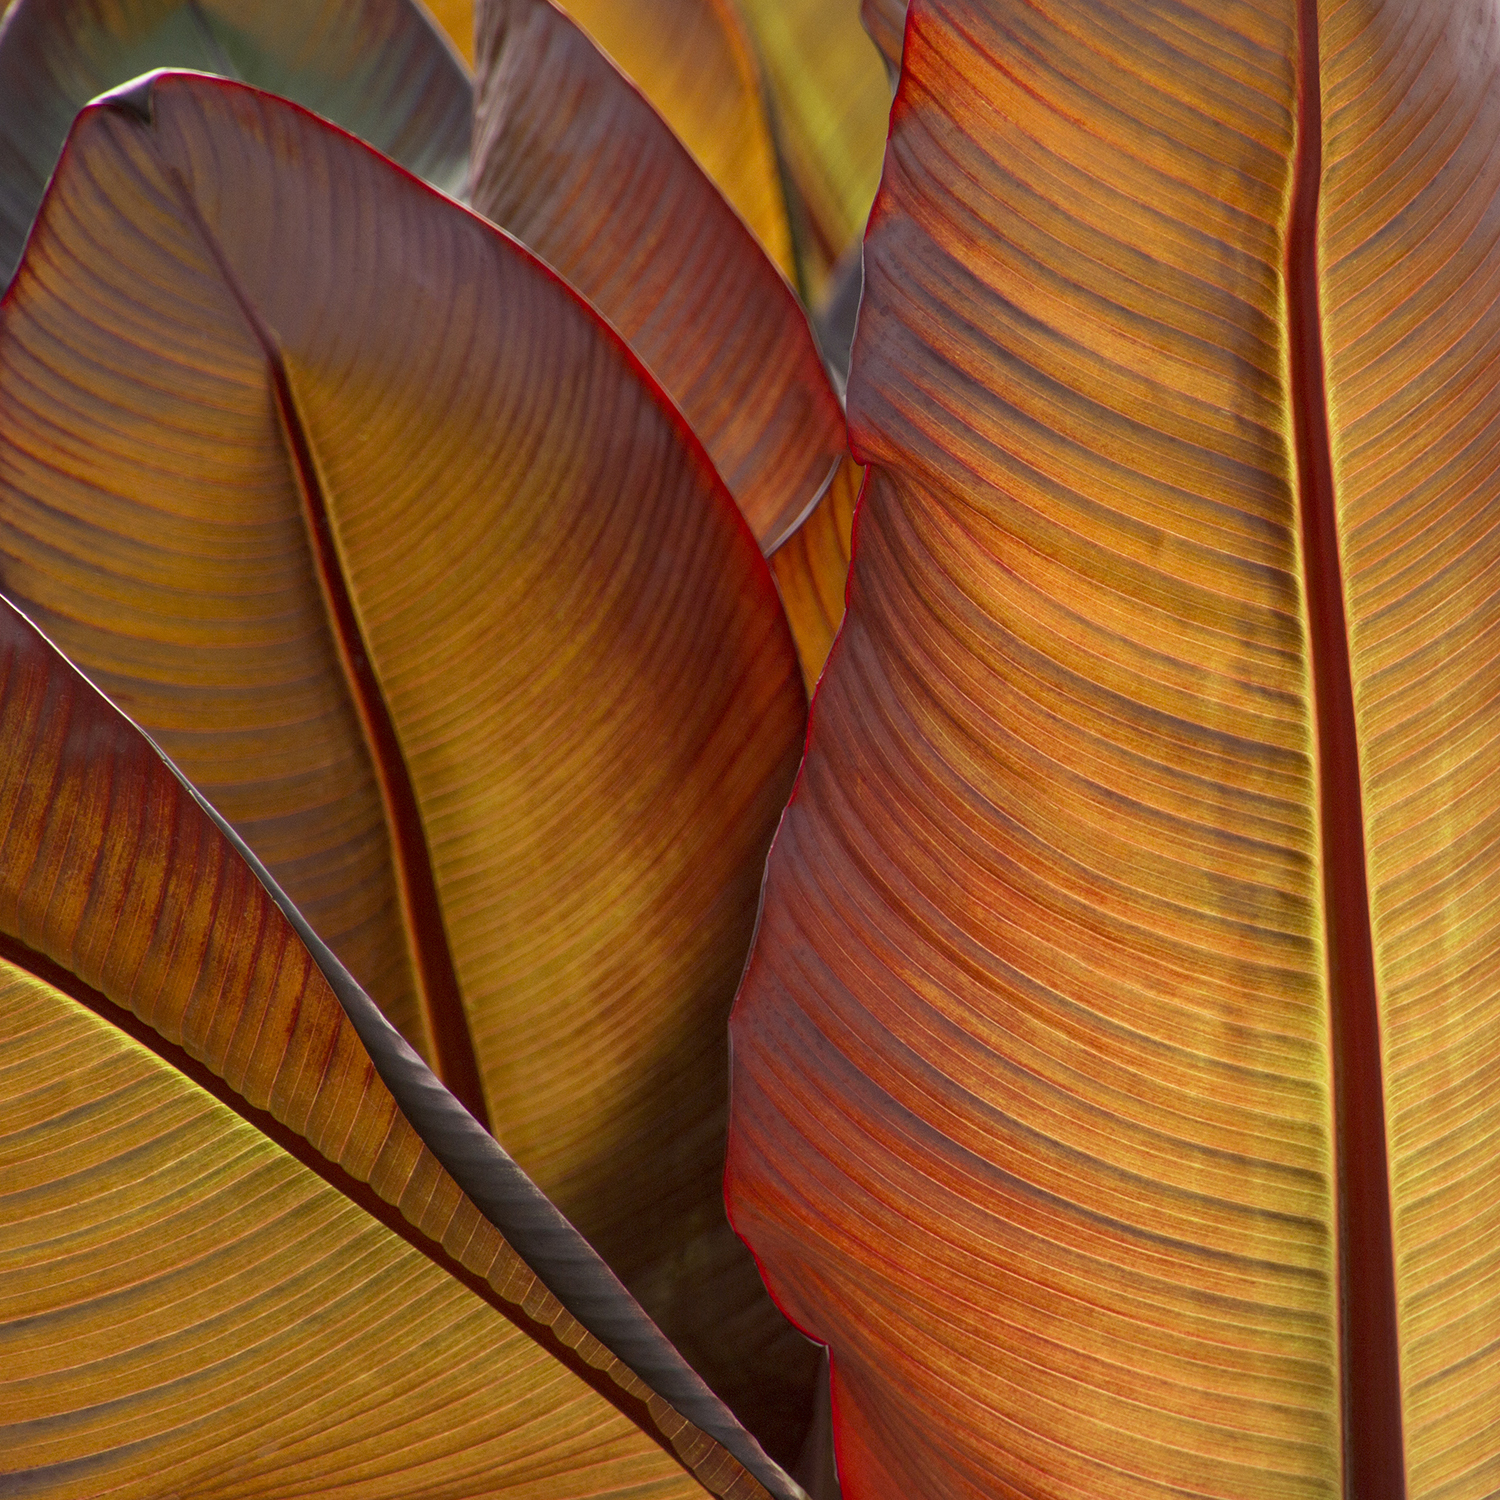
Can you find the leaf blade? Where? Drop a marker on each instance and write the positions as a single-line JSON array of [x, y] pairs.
[[604, 193], [1032, 1053], [159, 916], [488, 454]]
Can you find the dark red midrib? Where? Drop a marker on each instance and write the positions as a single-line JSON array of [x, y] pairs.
[[1374, 1452], [39, 966], [437, 978]]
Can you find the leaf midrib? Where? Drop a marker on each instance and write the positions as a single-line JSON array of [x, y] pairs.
[[436, 975], [1369, 1343]]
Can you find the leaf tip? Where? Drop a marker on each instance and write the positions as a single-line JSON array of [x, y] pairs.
[[134, 98]]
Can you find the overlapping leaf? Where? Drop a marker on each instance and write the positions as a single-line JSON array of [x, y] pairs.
[[1114, 1069], [695, 62], [410, 566], [573, 161], [229, 1265], [376, 67], [885, 20], [812, 568]]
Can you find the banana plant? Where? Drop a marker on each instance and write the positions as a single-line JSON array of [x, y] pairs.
[[1111, 1083]]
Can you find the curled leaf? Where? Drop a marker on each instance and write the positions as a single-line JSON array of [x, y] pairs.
[[885, 20]]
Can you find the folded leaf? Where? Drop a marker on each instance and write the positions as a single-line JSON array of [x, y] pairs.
[[376, 67], [573, 161], [832, 98], [229, 1265], [1113, 1073], [404, 558]]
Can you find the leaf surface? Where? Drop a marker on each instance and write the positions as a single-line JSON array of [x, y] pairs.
[[377, 67], [695, 61], [229, 1265], [812, 567], [456, 17], [576, 164], [1113, 1070], [404, 558]]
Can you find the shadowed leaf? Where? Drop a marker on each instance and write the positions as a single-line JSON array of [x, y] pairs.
[[812, 567], [376, 67], [832, 98], [885, 20], [1114, 1067], [571, 159], [228, 1263], [404, 558]]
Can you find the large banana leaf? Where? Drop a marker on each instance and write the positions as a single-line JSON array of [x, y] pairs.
[[411, 567], [1115, 1071], [376, 67], [248, 1244]]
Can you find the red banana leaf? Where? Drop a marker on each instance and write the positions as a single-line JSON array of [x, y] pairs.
[[706, 83], [248, 1244], [1114, 1078], [408, 563], [376, 67], [575, 163]]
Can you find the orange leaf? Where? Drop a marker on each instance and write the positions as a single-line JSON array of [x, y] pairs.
[[1114, 1070], [229, 1263], [405, 559]]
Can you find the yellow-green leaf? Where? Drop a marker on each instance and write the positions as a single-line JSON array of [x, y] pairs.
[[831, 97], [229, 1263]]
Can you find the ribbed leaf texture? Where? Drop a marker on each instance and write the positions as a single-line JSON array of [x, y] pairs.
[[1114, 1073], [230, 1264], [418, 575]]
